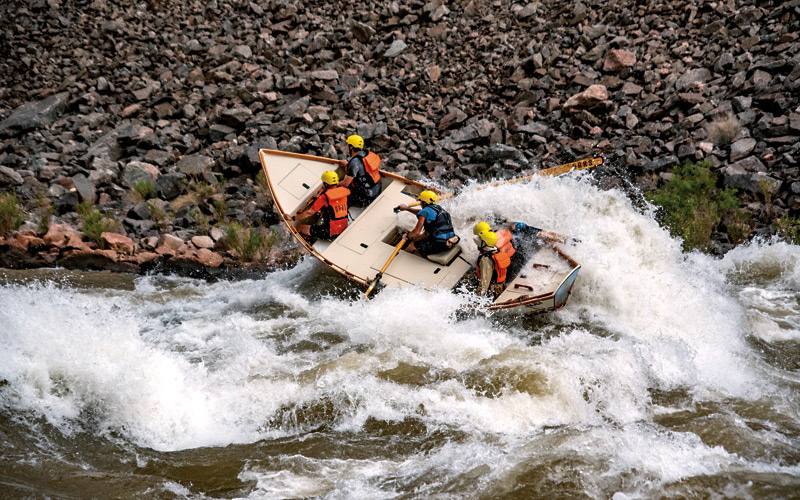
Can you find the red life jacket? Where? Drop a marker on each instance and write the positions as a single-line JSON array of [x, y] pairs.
[[372, 164], [335, 209], [504, 242], [501, 263]]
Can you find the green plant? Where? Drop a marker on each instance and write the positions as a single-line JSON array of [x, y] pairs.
[[249, 243], [221, 208], [788, 228], [261, 181], [694, 207], [11, 215], [158, 216], [44, 210], [95, 223], [144, 190], [201, 221]]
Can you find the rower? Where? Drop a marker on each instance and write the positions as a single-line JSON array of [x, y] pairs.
[[326, 218], [491, 265], [362, 172], [438, 236]]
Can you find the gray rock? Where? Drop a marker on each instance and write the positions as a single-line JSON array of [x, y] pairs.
[[452, 119], [171, 185], [692, 77], [395, 49], [104, 171], [325, 74], [297, 108], [742, 148], [218, 132], [9, 177], [67, 202], [237, 117], [741, 103], [37, 114], [140, 211], [138, 171], [243, 51], [85, 188], [476, 130], [361, 31], [195, 165]]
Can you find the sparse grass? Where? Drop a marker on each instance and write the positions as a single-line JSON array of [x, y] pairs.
[[44, 210], [221, 208], [143, 190], [788, 228], [11, 214], [723, 129], [261, 181], [158, 216], [198, 192], [95, 223], [250, 243], [694, 207], [201, 221]]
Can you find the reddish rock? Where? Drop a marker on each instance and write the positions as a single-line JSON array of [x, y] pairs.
[[209, 258], [618, 59], [28, 242], [118, 243], [589, 97], [146, 257], [61, 235], [203, 242], [173, 243]]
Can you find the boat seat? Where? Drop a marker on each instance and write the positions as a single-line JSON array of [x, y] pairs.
[[446, 257]]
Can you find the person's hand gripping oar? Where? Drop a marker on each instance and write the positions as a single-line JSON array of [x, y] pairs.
[[378, 276]]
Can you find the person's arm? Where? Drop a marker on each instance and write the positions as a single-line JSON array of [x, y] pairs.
[[416, 233], [309, 212], [405, 208], [350, 172], [348, 179], [486, 266]]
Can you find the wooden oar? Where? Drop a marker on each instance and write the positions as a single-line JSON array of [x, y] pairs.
[[557, 170], [380, 274]]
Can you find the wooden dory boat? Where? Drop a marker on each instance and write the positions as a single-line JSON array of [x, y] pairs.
[[542, 284]]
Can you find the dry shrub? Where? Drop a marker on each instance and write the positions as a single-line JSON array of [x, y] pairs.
[[723, 129]]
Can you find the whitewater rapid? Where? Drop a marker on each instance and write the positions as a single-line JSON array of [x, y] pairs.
[[175, 364]]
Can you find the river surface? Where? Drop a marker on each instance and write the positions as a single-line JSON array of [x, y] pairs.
[[667, 375]]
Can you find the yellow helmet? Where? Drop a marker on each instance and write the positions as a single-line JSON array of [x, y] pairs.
[[427, 197], [330, 177], [489, 237], [481, 226], [356, 141]]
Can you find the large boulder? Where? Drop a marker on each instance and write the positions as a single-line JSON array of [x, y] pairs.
[[593, 95], [195, 165], [139, 171], [37, 114]]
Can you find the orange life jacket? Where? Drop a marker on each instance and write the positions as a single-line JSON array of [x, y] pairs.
[[372, 164], [501, 263], [335, 211], [504, 242]]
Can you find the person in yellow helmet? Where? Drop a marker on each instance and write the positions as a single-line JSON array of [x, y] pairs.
[[491, 266], [434, 231], [331, 205], [362, 172], [504, 237]]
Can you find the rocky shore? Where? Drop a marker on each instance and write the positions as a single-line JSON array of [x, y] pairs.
[[130, 131]]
